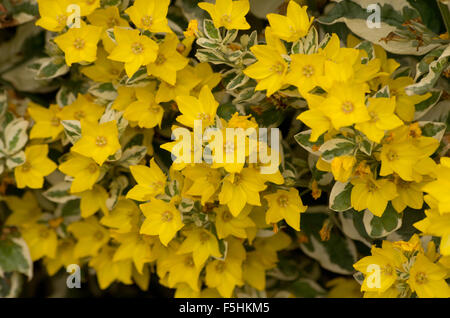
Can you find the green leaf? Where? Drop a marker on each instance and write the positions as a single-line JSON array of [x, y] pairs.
[[132, 156], [105, 91], [434, 72], [211, 31], [72, 129], [50, 68], [340, 196], [378, 227], [423, 107], [15, 160], [16, 135], [239, 80], [15, 257], [303, 139], [433, 129], [335, 148], [59, 193], [338, 254]]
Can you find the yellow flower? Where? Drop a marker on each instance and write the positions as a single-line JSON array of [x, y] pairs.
[[192, 29], [306, 71], [343, 288], [315, 117], [162, 219], [103, 70], [202, 108], [125, 96], [205, 73], [271, 68], [225, 275], [151, 182], [186, 81], [64, 257], [227, 13], [80, 44], [399, 155], [108, 270], [405, 107], [41, 240], [25, 210], [202, 244], [241, 188], [144, 111], [439, 189], [84, 170], [368, 193], [135, 247], [82, 108], [107, 18], [294, 25], [124, 218], [133, 49], [428, 279], [87, 6], [31, 174], [93, 200], [382, 118], [227, 224], [46, 121], [90, 235], [436, 224], [53, 14], [150, 15], [345, 104], [409, 194], [254, 271], [98, 141], [387, 260], [285, 205], [342, 167], [182, 269], [205, 181], [168, 61]]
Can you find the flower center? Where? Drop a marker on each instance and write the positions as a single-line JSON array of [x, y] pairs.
[[371, 187], [92, 168], [98, 235], [283, 201], [137, 48], [204, 237], [79, 43], [373, 116], [308, 71], [55, 121], [220, 267], [189, 261], [79, 115], [112, 22], [203, 116], [225, 19], [147, 21], [160, 59], [155, 109], [347, 107], [167, 216], [61, 19], [226, 216], [101, 141], [392, 155], [421, 278], [26, 167], [44, 233], [277, 68]]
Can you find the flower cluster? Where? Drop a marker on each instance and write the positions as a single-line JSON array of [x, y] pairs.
[[131, 170]]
